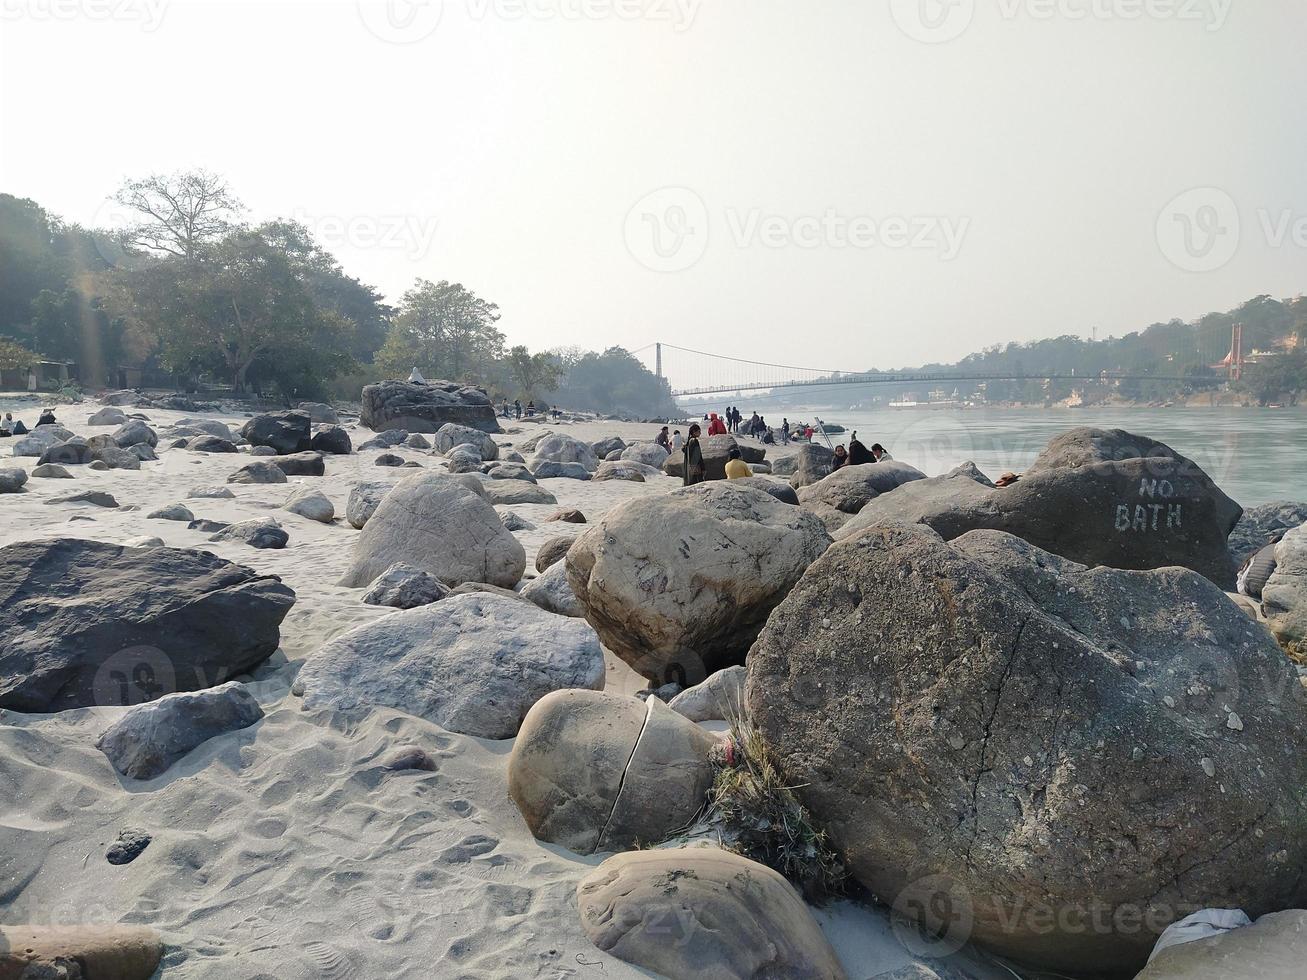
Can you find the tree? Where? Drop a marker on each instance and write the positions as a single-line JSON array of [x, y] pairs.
[[179, 213], [242, 300], [29, 262], [533, 374], [72, 326], [445, 331], [14, 356], [1278, 379], [617, 382]]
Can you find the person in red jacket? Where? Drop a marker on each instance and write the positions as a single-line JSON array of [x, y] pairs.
[[715, 426]]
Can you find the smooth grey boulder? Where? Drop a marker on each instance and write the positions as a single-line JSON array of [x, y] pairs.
[[970, 471], [515, 522], [950, 712], [719, 698], [364, 499], [310, 503], [473, 664], [79, 952], [508, 493], [13, 478], [843, 494], [703, 912], [1136, 513], [716, 451], [417, 441], [148, 739], [557, 448], [426, 406], [319, 412], [115, 457], [463, 459], [143, 452], [1284, 597], [553, 551], [97, 498], [210, 493], [511, 471], [259, 471], [50, 471], [678, 585], [300, 464], [549, 470], [452, 434], [85, 623], [261, 532], [1258, 524], [172, 512], [552, 593], [331, 440], [808, 465], [195, 427], [282, 432], [41, 438], [134, 431], [599, 772], [441, 525], [143, 541], [211, 444], [618, 471], [109, 415], [613, 444], [261, 450], [75, 452], [779, 489], [389, 459], [405, 587], [1272, 948], [386, 440]]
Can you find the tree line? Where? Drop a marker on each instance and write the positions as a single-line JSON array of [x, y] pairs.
[[191, 293]]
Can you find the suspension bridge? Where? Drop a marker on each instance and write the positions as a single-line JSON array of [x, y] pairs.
[[692, 372]]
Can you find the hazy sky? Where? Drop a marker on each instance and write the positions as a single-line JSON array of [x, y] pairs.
[[842, 183]]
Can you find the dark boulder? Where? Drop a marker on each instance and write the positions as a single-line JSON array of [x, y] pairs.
[[259, 471], [1072, 757], [74, 452], [779, 489], [300, 464], [426, 406], [85, 623], [211, 444], [332, 440], [841, 495], [283, 432], [1259, 524]]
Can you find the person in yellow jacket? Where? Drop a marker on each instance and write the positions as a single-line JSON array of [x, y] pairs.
[[736, 468]]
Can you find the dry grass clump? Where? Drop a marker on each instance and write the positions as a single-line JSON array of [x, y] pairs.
[[758, 815]]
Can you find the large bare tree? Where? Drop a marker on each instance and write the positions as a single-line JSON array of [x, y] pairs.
[[180, 212]]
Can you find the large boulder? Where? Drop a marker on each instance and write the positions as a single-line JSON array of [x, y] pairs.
[[402, 586], [331, 440], [79, 952], [678, 585], [809, 464], [779, 489], [619, 471], [474, 664], [1259, 524], [612, 444], [300, 464], [134, 432], [509, 493], [1141, 512], [553, 551], [1284, 597], [550, 470], [719, 698], [364, 498], [311, 503], [1272, 948], [559, 448], [12, 478], [259, 532], [511, 471], [85, 623], [716, 451], [841, 495], [109, 415], [41, 438], [552, 593], [1038, 745], [319, 412], [149, 738], [452, 434], [282, 432], [648, 453], [437, 523], [259, 471], [211, 444], [600, 772], [74, 452], [703, 912], [426, 406]]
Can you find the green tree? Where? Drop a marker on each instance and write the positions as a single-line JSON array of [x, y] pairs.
[[445, 331], [1280, 379], [14, 356], [533, 374]]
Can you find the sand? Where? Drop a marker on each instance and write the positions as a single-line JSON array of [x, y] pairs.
[[285, 850]]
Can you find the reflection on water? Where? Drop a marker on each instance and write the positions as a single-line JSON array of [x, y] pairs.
[[1255, 455]]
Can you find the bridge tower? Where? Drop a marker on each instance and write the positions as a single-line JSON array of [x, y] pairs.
[[1236, 352], [658, 359]]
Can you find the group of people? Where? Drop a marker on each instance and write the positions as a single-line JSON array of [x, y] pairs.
[[857, 454], [11, 426], [515, 410]]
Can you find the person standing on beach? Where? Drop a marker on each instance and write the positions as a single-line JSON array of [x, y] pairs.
[[693, 458], [517, 407]]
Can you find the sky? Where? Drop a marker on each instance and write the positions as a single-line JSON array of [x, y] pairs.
[[847, 184]]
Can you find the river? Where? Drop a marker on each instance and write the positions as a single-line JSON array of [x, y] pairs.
[[1255, 455]]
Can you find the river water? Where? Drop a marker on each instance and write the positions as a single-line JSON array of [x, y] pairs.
[[1255, 455]]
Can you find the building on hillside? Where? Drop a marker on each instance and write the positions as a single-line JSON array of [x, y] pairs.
[[41, 376]]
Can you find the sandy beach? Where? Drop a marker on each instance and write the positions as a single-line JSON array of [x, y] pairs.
[[285, 850]]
